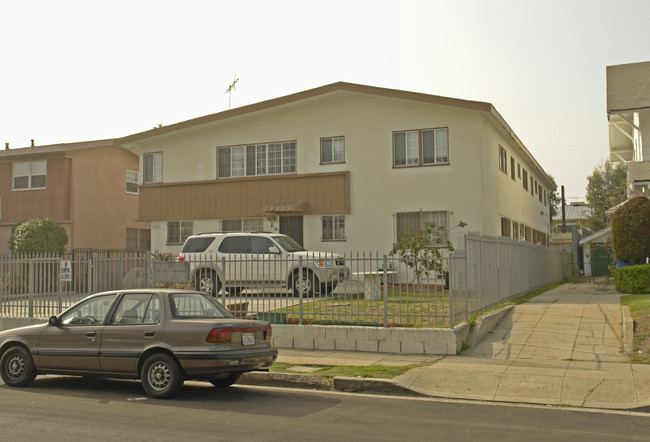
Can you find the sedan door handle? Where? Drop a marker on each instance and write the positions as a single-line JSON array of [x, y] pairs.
[[91, 334], [149, 334]]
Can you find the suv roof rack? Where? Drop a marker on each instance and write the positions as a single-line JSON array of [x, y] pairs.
[[224, 233]]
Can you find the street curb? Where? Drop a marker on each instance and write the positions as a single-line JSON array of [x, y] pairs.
[[372, 385], [286, 380], [628, 330], [313, 382]]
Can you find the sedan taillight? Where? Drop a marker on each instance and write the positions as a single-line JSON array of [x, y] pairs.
[[219, 335], [180, 259], [267, 333]]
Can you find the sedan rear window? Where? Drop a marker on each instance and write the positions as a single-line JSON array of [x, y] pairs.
[[196, 305], [197, 245]]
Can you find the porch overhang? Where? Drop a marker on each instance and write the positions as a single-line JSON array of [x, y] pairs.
[[298, 206]]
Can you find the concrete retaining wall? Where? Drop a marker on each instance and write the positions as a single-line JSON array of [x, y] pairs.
[[434, 341]]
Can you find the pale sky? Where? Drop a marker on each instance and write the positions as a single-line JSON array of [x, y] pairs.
[[88, 70]]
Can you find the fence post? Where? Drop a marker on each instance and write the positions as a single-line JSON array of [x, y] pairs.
[[95, 275], [31, 288], [300, 291], [385, 277], [450, 269]]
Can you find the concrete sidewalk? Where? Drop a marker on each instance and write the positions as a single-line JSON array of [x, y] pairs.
[[564, 347]]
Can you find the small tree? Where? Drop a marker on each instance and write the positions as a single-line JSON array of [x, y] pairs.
[[605, 189], [421, 251], [631, 231], [37, 235]]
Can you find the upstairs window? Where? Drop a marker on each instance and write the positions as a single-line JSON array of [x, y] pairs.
[[258, 159], [420, 147], [132, 181], [152, 166], [512, 168], [30, 175], [503, 160], [524, 179], [332, 150]]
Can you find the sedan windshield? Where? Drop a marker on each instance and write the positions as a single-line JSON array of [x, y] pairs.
[[196, 305], [288, 244]]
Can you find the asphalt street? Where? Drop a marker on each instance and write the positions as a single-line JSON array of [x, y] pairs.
[[67, 408]]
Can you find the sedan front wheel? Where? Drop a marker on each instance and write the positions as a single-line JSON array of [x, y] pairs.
[[17, 368]]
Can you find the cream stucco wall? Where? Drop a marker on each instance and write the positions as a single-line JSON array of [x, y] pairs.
[[471, 187]]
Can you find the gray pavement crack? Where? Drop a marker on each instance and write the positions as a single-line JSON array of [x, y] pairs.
[[590, 392]]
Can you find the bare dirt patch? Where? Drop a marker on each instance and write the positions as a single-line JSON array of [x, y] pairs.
[[641, 348]]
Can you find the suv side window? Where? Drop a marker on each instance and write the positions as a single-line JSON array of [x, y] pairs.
[[235, 244], [261, 245], [197, 245]]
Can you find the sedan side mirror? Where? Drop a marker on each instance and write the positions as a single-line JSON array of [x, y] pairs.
[[54, 321], [274, 250]]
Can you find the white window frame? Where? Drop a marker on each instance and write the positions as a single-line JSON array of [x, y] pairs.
[[179, 229], [333, 228], [332, 150], [247, 160], [132, 177], [156, 167], [31, 170], [421, 147]]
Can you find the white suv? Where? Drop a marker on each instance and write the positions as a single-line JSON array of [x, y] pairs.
[[237, 261]]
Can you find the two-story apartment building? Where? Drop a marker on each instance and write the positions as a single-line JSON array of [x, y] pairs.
[[628, 112], [341, 167], [89, 188]]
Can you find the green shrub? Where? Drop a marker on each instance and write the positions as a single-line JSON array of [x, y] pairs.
[[633, 279], [37, 235], [631, 231]]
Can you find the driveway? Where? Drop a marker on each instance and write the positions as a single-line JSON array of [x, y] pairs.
[[564, 347]]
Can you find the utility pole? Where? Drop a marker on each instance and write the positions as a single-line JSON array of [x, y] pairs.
[[231, 88]]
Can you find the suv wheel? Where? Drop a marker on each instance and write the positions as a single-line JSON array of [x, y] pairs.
[[206, 281], [304, 282]]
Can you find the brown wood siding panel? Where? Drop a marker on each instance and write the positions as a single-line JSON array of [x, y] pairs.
[[324, 193]]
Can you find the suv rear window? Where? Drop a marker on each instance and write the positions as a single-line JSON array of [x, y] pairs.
[[197, 245]]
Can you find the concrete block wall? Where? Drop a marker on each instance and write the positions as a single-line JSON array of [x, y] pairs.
[[434, 341]]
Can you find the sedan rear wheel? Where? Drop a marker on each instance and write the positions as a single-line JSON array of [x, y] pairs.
[[17, 368], [161, 376]]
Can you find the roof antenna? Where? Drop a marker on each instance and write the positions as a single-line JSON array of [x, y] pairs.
[[231, 88]]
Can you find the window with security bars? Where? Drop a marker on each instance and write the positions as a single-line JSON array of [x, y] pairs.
[[333, 228], [179, 231], [242, 225], [418, 221], [257, 159]]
